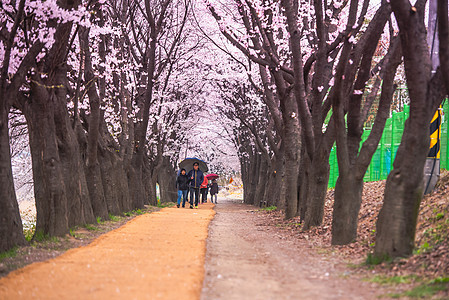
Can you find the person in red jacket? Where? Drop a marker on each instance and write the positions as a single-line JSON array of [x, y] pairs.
[[203, 190]]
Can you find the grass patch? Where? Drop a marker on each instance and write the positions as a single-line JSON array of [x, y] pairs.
[[135, 212], [138, 212], [438, 232], [165, 204], [269, 208], [393, 280], [114, 218], [439, 216], [29, 232], [40, 236], [7, 254], [99, 220], [353, 265], [91, 227], [426, 289], [373, 260]]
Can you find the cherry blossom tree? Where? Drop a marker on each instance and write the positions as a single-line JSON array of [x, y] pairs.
[[10, 224], [404, 190]]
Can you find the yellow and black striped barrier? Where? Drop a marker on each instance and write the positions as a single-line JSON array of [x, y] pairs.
[[435, 135], [432, 167]]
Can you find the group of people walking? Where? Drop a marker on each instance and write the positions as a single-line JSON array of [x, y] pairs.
[[192, 184]]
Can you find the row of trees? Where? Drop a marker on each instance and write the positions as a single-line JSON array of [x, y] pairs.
[[106, 95], [315, 71], [111, 95]]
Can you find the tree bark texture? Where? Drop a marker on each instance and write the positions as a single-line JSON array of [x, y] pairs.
[[93, 170], [317, 183], [397, 220], [346, 208], [11, 229], [49, 183], [262, 182], [166, 178]]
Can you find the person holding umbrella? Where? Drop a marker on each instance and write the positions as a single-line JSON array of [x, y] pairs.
[[196, 178]]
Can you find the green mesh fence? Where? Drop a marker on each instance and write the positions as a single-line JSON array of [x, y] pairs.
[[382, 161]]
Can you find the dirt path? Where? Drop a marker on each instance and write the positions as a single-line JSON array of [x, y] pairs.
[[154, 256], [246, 260]]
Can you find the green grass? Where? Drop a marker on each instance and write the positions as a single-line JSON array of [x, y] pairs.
[[40, 236], [426, 289], [353, 265], [134, 213], [99, 221], [372, 260], [29, 232], [437, 233], [269, 208], [393, 280], [7, 254], [165, 204], [114, 218], [138, 212], [439, 216], [422, 248], [91, 227]]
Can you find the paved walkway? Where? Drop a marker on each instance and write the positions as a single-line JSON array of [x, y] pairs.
[[154, 256]]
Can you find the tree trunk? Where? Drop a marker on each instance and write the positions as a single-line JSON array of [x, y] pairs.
[[77, 193], [93, 171], [348, 198], [290, 139], [57, 168], [166, 178], [348, 191], [303, 180], [11, 231], [262, 182], [122, 183], [114, 184], [152, 190], [244, 166], [49, 184], [135, 183], [397, 220], [317, 184], [276, 187], [253, 175], [404, 189]]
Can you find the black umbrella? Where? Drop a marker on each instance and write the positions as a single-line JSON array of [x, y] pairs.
[[189, 161]]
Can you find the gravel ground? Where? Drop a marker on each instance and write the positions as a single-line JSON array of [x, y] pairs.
[[246, 259]]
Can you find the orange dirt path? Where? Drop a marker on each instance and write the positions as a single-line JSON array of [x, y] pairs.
[[154, 256]]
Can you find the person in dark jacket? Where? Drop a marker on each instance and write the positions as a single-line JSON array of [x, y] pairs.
[[213, 191], [182, 184], [196, 178]]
